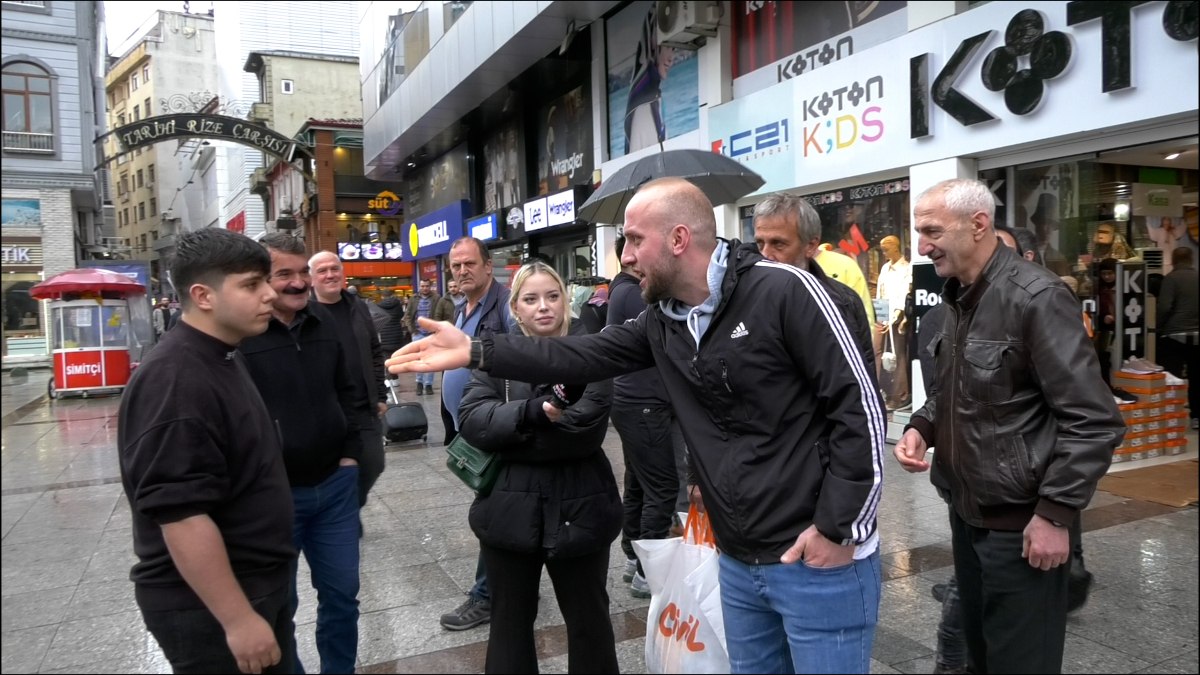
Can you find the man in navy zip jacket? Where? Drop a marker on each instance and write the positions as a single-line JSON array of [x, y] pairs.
[[299, 367], [783, 426]]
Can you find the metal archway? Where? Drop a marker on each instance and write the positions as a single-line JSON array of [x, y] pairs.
[[172, 126]]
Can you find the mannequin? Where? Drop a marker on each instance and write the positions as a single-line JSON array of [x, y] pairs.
[[895, 279]]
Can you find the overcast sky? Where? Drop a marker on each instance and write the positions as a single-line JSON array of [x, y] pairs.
[[123, 17]]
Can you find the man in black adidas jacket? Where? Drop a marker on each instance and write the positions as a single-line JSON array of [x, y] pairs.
[[777, 407]]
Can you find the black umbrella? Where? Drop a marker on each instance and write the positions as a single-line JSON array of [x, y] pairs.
[[722, 179]]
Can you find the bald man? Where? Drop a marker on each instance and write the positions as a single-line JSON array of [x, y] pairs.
[[778, 410], [891, 331], [364, 355]]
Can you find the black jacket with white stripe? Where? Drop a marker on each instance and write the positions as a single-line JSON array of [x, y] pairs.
[[781, 417]]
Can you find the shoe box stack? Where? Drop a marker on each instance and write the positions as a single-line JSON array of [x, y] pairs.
[[1156, 422]]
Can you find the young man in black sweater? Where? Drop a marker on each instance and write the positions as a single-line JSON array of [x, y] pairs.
[[203, 471]]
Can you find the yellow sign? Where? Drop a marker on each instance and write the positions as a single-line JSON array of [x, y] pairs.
[[414, 241], [386, 203]]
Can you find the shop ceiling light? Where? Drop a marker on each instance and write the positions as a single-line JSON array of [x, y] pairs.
[[1173, 155]]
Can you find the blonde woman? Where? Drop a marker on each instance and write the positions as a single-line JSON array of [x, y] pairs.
[[555, 504]]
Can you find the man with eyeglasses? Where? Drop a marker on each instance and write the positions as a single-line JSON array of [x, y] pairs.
[[299, 367]]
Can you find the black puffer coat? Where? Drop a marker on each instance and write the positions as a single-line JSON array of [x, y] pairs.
[[392, 335], [556, 491]]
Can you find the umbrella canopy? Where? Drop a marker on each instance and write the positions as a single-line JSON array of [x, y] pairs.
[[722, 179], [87, 280]]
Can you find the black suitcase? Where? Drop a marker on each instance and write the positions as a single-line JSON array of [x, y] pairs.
[[403, 421]]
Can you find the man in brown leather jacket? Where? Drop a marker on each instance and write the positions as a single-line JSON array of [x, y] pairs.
[[1024, 428]]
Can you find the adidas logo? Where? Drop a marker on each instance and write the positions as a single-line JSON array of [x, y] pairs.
[[740, 331]]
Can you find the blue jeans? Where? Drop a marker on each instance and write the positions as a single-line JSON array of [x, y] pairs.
[[326, 531], [800, 619], [423, 378]]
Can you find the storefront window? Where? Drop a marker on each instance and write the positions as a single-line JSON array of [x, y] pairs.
[[1115, 205], [505, 262], [24, 327], [855, 220]]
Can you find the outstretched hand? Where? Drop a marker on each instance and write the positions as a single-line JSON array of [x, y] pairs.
[[446, 348]]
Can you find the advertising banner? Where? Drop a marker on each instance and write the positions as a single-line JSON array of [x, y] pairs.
[[653, 91], [21, 214], [502, 168], [438, 183], [564, 142]]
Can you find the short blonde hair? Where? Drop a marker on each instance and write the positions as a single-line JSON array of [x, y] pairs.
[[522, 275]]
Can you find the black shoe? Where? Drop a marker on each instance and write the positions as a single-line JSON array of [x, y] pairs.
[[429, 389], [938, 592], [468, 615], [1078, 588], [1125, 396]]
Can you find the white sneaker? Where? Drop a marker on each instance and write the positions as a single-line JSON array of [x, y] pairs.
[[630, 569], [639, 587]]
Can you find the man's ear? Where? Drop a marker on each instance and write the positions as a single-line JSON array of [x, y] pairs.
[[981, 225], [680, 237], [203, 296]]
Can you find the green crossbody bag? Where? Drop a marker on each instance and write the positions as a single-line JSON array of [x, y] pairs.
[[477, 469]]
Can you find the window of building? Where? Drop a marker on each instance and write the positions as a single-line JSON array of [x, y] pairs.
[[146, 74], [28, 112], [137, 113], [287, 86], [141, 210], [146, 107], [124, 190], [140, 182], [150, 174], [122, 158], [143, 244], [124, 216], [121, 120], [153, 206], [133, 83]]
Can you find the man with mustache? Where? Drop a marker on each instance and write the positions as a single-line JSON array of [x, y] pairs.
[[299, 367]]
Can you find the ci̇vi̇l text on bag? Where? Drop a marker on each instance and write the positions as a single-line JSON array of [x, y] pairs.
[[685, 631]]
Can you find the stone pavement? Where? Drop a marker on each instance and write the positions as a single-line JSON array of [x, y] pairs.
[[68, 604]]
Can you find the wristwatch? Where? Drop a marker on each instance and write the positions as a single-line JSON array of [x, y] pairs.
[[1056, 523], [476, 353]]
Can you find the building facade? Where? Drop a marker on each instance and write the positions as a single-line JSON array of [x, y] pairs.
[[1083, 118], [171, 67], [53, 110], [316, 28]]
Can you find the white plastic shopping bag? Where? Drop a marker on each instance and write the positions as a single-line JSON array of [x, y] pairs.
[[685, 632]]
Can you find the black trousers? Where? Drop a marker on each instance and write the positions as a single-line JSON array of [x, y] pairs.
[[581, 587], [371, 465], [194, 641], [1014, 615], [648, 439], [1182, 360]]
